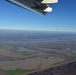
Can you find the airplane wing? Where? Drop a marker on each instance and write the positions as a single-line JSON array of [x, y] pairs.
[[38, 6]]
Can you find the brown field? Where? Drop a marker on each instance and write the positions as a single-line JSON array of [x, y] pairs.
[[3, 72]]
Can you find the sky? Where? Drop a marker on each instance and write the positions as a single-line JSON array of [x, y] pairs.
[[63, 17]]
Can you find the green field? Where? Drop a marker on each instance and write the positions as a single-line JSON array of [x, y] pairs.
[[17, 71]]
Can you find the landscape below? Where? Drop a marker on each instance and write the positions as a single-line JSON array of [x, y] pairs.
[[37, 53]]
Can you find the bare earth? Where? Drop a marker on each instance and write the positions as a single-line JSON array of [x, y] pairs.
[[37, 57], [3, 72], [30, 64]]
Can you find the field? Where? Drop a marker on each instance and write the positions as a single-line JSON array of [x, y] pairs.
[[34, 56], [27, 52]]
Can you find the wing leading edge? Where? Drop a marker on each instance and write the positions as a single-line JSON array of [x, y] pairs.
[[38, 6]]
